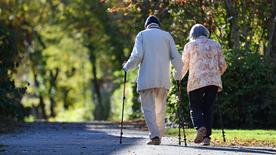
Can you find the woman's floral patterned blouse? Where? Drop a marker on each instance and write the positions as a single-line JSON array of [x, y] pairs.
[[205, 62]]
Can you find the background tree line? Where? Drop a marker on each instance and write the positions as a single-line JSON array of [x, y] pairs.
[[61, 60]]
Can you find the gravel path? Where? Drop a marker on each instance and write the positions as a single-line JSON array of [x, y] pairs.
[[101, 138]]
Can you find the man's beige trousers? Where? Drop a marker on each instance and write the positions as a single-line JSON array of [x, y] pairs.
[[153, 105]]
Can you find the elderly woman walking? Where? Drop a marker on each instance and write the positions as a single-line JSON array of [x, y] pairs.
[[206, 64]]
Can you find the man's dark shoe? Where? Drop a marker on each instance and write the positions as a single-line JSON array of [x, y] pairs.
[[154, 141]]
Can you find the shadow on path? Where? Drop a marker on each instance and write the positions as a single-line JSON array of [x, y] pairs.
[[65, 138]]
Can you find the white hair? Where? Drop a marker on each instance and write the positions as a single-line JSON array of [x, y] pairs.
[[198, 30]]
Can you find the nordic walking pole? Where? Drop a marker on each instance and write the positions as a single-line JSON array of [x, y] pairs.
[[221, 121], [184, 133], [124, 97], [179, 122], [185, 139]]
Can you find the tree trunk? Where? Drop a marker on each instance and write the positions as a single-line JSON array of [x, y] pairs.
[[41, 99], [232, 14], [271, 50], [99, 108], [65, 93], [52, 90], [42, 107]]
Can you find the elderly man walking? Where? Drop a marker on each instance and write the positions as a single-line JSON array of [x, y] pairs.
[[153, 51]]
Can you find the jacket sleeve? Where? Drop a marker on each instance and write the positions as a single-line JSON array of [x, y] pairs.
[[221, 61], [185, 60], [175, 59], [136, 54]]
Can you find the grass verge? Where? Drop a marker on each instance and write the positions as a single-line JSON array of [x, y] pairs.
[[235, 137]]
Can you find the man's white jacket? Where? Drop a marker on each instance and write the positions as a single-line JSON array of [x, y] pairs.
[[153, 51]]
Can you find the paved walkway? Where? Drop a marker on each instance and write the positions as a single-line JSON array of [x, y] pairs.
[[101, 138]]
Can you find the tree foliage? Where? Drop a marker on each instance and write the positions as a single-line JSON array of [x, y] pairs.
[[12, 39]]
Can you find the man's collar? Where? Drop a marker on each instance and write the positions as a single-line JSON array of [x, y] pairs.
[[201, 37], [153, 25]]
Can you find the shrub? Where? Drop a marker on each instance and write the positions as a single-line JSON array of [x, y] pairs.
[[248, 99]]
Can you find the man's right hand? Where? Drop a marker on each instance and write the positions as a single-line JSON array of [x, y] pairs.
[[124, 65]]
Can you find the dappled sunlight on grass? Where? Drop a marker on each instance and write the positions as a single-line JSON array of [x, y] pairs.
[[235, 137]]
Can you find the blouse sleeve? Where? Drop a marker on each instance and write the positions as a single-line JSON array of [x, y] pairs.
[[221, 61], [185, 59]]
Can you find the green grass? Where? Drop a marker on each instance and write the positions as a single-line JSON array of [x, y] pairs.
[[234, 137]]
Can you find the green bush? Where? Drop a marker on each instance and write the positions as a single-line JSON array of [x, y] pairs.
[[249, 96], [174, 105], [248, 99]]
